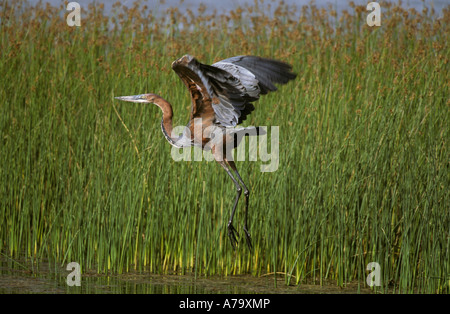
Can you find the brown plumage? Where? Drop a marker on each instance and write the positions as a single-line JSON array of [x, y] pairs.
[[222, 96]]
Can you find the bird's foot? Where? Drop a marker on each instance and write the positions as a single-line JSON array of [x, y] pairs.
[[232, 235], [248, 238]]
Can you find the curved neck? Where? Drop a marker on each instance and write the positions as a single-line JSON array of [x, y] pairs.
[[166, 122]]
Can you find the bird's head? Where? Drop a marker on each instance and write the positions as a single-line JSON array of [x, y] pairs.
[[143, 98]]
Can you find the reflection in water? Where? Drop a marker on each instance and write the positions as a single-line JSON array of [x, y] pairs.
[[18, 278]]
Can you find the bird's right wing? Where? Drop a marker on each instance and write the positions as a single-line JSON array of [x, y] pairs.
[[266, 71], [214, 92], [228, 87]]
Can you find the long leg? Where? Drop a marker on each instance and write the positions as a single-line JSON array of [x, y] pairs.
[[247, 197], [231, 230]]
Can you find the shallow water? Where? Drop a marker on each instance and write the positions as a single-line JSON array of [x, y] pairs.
[[17, 278]]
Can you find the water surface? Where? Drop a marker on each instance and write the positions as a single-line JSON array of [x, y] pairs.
[[18, 277]]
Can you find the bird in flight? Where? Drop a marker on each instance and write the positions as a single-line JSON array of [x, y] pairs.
[[222, 95]]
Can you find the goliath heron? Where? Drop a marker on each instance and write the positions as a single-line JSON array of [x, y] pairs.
[[222, 96]]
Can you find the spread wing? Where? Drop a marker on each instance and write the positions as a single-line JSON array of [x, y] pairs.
[[227, 88]]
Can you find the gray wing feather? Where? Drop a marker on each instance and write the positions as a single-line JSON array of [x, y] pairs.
[[266, 71], [247, 78]]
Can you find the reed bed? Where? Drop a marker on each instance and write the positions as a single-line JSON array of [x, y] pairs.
[[364, 151]]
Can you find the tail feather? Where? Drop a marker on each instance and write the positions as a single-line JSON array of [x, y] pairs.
[[256, 131], [250, 131]]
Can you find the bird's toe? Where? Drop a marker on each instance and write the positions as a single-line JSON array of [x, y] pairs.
[[233, 235], [248, 238]]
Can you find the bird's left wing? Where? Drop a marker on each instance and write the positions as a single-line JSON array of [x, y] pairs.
[[199, 88]]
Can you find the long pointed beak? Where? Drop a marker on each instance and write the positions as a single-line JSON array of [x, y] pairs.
[[135, 98]]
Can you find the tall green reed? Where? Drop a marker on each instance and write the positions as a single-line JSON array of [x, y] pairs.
[[363, 146]]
